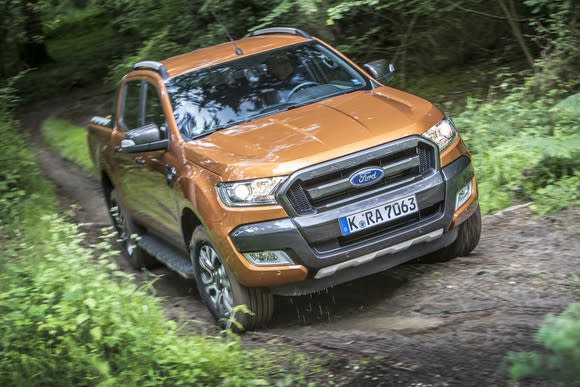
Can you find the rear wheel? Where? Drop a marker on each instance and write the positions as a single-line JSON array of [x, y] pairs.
[[129, 233], [467, 239], [221, 291]]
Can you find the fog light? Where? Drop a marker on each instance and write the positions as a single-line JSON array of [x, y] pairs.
[[463, 194], [269, 258]]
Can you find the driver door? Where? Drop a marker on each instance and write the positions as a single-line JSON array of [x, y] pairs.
[[145, 176]]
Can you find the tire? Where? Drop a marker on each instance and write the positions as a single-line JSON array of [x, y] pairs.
[[129, 233], [467, 239], [220, 290]]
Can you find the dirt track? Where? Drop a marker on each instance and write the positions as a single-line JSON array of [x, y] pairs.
[[444, 324]]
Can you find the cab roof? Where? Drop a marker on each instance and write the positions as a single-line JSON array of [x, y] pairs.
[[224, 52]]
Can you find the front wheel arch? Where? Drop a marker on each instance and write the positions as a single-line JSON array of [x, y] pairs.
[[189, 222]]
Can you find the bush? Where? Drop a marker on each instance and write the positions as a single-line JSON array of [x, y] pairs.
[[523, 149], [561, 363], [20, 181], [67, 320]]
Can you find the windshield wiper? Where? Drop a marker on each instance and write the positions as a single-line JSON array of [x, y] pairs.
[[300, 104]]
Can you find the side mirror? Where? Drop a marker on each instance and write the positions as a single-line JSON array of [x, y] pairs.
[[144, 139], [380, 69]]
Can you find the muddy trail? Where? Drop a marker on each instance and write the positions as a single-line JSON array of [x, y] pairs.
[[440, 324]]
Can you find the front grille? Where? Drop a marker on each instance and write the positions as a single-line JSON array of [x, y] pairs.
[[327, 186], [425, 157], [297, 197]]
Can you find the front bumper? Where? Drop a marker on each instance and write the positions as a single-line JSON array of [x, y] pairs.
[[315, 241]]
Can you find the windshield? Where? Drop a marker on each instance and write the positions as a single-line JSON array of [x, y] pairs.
[[248, 88]]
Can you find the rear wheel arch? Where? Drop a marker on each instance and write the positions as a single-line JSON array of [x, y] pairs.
[[126, 229]]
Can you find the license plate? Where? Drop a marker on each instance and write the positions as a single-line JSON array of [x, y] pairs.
[[378, 215]]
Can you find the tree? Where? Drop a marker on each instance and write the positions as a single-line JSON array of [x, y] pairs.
[[32, 50]]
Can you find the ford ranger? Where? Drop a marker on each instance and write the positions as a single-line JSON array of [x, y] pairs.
[[274, 165]]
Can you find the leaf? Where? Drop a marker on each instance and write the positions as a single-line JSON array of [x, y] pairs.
[[97, 333], [81, 318], [90, 302]]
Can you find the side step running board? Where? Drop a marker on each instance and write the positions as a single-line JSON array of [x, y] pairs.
[[172, 257]]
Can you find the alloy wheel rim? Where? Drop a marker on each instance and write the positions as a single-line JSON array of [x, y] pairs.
[[215, 281], [122, 227]]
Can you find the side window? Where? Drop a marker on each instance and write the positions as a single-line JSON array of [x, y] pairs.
[[131, 110], [153, 109], [330, 69]]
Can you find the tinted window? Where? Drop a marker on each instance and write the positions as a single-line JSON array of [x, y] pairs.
[[153, 109], [130, 117], [258, 85]]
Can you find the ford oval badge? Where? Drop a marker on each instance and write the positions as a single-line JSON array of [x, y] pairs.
[[366, 177]]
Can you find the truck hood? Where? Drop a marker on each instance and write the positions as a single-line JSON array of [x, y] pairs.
[[282, 143]]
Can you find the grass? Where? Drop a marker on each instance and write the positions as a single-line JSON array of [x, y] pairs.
[[70, 141]]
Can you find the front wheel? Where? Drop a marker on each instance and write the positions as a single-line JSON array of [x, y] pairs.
[[221, 291], [128, 233], [467, 239]]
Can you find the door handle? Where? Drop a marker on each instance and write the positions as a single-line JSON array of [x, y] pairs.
[[139, 160]]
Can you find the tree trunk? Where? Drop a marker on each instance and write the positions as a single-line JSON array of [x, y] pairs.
[[33, 52], [512, 18], [403, 50]]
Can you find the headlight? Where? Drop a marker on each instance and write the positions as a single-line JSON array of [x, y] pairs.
[[258, 192], [442, 134]]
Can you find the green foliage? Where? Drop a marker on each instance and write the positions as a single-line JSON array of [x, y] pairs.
[[419, 36], [561, 364], [70, 141], [20, 181], [569, 105], [524, 149], [8, 98], [67, 320], [557, 196], [158, 48], [557, 36], [82, 45]]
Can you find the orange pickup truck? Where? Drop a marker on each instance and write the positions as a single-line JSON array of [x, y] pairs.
[[274, 165]]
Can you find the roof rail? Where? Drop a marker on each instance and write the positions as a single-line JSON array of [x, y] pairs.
[[152, 65], [281, 30]]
